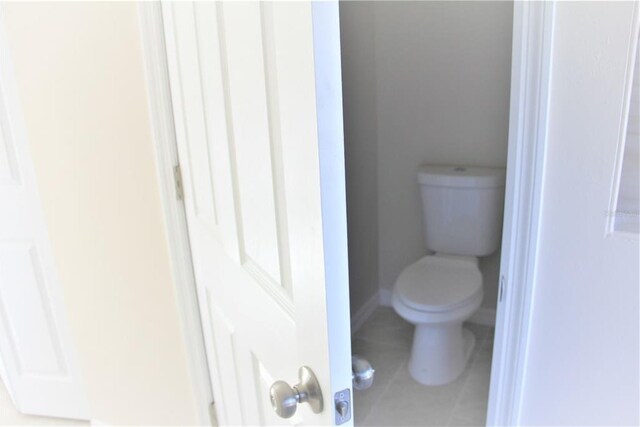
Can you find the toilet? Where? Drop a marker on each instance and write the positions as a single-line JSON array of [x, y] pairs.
[[462, 220]]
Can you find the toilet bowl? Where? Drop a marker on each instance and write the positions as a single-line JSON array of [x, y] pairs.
[[437, 294], [462, 218]]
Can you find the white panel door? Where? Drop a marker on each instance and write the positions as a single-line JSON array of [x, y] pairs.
[[258, 115], [35, 343]]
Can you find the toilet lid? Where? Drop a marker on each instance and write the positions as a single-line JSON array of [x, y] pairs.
[[439, 283]]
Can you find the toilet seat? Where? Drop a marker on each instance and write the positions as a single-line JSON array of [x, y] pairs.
[[439, 283]]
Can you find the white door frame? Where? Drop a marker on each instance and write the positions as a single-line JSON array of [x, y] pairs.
[[166, 151], [530, 88], [531, 56]]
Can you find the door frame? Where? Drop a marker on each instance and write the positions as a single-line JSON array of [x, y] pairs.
[[166, 151], [530, 88]]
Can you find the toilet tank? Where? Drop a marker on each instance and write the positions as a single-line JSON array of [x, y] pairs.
[[462, 208]]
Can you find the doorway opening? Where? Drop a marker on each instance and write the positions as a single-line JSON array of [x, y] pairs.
[[423, 83]]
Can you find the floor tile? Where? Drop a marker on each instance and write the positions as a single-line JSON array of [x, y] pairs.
[[472, 403], [386, 327], [481, 332], [456, 421], [409, 403]]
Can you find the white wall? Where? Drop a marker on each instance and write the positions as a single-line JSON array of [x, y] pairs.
[[81, 82], [440, 88], [582, 366]]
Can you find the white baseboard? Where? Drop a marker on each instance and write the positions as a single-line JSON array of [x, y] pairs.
[[385, 297], [484, 316], [362, 315]]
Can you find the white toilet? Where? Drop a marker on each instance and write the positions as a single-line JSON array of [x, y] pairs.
[[462, 217]]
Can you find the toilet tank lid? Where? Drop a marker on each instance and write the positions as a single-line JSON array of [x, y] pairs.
[[461, 176]]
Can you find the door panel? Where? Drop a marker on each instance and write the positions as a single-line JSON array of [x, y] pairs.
[[243, 80], [27, 313], [35, 342], [254, 148]]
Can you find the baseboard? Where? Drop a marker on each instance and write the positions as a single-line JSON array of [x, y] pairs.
[[484, 316], [364, 312], [385, 297]]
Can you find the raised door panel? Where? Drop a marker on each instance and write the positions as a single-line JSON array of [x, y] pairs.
[[35, 342], [229, 122], [254, 108], [27, 314]]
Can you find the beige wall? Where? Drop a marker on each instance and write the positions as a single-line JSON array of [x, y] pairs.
[[80, 76]]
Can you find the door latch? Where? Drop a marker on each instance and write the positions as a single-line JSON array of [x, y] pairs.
[[362, 376], [342, 406]]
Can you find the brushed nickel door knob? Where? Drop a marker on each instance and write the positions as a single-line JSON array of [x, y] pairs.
[[285, 399]]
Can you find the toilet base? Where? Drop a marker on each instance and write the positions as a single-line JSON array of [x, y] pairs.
[[440, 352]]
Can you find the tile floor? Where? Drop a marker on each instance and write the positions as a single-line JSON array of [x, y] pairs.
[[9, 416], [395, 399]]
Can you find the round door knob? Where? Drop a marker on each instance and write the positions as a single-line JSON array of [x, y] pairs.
[[362, 373], [285, 399]]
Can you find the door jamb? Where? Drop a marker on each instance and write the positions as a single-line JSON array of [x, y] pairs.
[[166, 151], [530, 88]]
